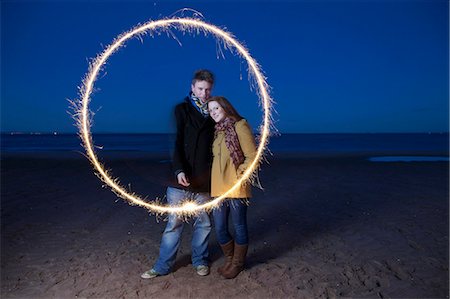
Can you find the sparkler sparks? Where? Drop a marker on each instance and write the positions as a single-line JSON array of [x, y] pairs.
[[192, 25]]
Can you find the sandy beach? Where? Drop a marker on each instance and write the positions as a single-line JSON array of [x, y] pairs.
[[324, 227]]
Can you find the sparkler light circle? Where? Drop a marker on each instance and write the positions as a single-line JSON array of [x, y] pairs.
[[83, 115]]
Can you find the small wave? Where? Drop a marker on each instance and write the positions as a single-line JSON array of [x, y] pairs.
[[408, 159]]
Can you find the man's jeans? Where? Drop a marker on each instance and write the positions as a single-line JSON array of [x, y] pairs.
[[238, 211], [171, 238]]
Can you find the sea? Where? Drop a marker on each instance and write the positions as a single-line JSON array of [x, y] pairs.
[[431, 144]]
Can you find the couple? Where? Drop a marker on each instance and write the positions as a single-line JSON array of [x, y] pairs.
[[209, 131]]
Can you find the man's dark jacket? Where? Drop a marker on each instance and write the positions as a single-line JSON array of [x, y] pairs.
[[193, 153]]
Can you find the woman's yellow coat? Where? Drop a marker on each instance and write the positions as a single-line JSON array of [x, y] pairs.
[[224, 174]]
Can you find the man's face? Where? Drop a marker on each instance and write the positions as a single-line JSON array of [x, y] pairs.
[[202, 90]]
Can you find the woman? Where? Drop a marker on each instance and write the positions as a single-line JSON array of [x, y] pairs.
[[233, 150]]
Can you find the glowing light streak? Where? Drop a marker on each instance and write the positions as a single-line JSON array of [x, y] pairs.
[[83, 115]]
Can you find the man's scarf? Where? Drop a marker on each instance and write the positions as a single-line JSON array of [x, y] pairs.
[[201, 107], [231, 140]]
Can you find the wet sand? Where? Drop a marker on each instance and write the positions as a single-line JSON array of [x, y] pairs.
[[324, 227]]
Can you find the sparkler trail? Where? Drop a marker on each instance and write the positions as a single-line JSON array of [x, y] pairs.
[[83, 115]]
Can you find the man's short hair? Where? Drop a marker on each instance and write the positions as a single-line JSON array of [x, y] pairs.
[[203, 75]]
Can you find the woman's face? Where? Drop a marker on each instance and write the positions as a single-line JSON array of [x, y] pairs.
[[216, 111]]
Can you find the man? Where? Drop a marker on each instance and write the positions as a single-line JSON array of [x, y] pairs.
[[192, 167]]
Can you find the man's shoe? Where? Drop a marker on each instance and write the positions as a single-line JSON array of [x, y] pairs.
[[202, 270], [150, 274]]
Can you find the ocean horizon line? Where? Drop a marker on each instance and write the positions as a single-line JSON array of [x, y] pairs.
[[173, 133], [298, 142]]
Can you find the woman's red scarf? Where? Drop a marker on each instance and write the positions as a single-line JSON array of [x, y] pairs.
[[231, 140]]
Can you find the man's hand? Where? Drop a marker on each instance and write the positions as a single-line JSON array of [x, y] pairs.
[[182, 179]]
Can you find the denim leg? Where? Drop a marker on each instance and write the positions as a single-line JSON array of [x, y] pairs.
[[171, 237], [200, 236], [238, 211], [220, 215]]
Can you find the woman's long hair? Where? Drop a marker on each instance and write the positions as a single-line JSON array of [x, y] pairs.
[[227, 107]]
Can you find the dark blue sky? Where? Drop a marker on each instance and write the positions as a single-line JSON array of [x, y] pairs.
[[334, 66]]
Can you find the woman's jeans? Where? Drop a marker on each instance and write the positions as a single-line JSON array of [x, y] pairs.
[[171, 238], [238, 211]]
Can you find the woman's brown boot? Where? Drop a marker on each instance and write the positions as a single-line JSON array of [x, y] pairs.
[[237, 264], [228, 249]]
